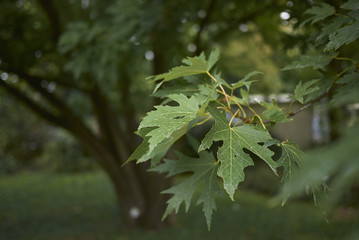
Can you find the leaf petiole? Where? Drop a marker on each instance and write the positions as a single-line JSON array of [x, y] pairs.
[[345, 70], [221, 87], [234, 115], [290, 107], [239, 105], [346, 59], [257, 115], [200, 123], [220, 103]]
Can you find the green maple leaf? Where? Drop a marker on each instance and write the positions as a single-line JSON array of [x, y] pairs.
[[204, 171], [344, 35], [220, 80], [317, 62], [305, 89], [332, 27], [291, 159], [244, 99], [348, 93], [165, 120], [185, 90], [231, 155], [143, 152], [213, 59], [194, 66], [244, 81], [351, 5], [319, 12], [324, 84], [164, 126], [274, 113]]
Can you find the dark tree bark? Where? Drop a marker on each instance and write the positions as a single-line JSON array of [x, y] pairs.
[[52, 14]]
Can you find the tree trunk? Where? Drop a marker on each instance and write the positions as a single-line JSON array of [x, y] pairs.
[[138, 191], [144, 210]]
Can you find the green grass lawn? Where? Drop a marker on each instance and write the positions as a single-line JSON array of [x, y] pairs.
[[83, 207]]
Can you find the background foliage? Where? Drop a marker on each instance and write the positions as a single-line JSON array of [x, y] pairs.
[[81, 65]]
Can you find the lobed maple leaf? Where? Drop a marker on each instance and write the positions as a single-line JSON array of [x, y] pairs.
[[343, 36], [302, 90], [319, 12], [348, 93], [143, 153], [274, 113], [194, 66], [332, 27], [291, 159], [244, 81], [231, 155], [165, 125], [165, 120], [351, 5], [204, 171], [317, 62]]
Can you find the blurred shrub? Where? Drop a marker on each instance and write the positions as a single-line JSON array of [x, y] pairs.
[[21, 137], [64, 154], [7, 164], [29, 144]]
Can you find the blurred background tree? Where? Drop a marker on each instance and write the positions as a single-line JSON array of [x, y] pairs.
[[81, 65]]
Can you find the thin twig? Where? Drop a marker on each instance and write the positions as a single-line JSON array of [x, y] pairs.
[[291, 114]]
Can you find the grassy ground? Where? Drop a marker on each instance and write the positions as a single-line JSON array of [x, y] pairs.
[[82, 207]]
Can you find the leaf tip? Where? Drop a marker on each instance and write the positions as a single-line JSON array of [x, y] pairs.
[[209, 226]]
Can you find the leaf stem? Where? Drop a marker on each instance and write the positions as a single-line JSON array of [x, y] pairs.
[[221, 87], [237, 124], [234, 115], [200, 123], [344, 71], [346, 59], [225, 109], [226, 96], [239, 105], [213, 78], [257, 115], [291, 114], [290, 106], [220, 103]]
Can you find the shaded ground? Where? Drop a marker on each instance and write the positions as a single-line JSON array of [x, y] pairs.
[[82, 207]]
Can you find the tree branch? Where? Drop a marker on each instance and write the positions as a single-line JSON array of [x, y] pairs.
[[108, 126], [39, 79], [51, 13], [74, 123], [308, 104], [56, 120], [202, 25], [129, 111], [35, 83]]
